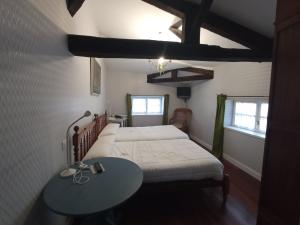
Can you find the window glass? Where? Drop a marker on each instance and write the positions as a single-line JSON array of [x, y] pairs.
[[139, 105], [263, 125], [245, 108], [264, 110], [245, 115], [245, 121], [263, 117], [250, 115], [147, 105], [154, 105]]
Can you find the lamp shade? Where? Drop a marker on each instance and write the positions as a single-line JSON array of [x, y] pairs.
[[87, 114]]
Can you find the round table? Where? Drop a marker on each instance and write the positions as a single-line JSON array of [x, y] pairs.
[[120, 180]]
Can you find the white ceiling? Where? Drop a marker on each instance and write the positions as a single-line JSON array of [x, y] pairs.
[[135, 19]]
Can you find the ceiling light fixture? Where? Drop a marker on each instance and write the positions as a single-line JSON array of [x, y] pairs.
[[160, 65]]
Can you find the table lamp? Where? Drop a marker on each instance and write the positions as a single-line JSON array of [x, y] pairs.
[[70, 171]]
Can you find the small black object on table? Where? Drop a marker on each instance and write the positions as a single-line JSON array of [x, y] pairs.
[[104, 191]]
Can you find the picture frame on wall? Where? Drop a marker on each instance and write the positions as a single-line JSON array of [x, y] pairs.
[[95, 74]]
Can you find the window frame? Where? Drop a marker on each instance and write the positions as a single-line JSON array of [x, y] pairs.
[[146, 97], [258, 102]]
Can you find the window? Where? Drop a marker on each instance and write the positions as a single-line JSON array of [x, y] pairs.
[[250, 115], [147, 105]]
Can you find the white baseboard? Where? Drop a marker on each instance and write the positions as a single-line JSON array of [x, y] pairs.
[[201, 142], [242, 166], [227, 157]]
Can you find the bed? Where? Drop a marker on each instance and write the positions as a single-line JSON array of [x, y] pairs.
[[166, 132], [174, 161]]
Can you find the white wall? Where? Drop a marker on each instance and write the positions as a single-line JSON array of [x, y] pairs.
[[43, 88], [121, 83], [234, 79]]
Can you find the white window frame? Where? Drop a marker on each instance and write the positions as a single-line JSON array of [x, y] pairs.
[[258, 116], [146, 97]]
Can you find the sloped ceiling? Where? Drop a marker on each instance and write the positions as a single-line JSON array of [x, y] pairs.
[[258, 15], [135, 19]]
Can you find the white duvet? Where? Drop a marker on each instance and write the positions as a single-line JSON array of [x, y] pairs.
[[170, 160], [166, 132]]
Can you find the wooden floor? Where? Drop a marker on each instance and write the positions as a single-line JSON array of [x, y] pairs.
[[197, 207]]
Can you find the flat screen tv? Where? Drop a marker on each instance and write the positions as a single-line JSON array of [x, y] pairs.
[[184, 92]]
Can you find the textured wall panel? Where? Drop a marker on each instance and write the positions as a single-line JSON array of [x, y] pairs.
[[233, 79], [42, 89]]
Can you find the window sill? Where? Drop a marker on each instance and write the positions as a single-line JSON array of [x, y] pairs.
[[247, 132]]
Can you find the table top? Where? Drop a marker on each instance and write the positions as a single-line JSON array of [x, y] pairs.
[[120, 180]]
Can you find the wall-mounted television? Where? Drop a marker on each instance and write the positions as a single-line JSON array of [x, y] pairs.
[[184, 92]]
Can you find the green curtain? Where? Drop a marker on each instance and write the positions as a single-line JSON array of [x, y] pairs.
[[219, 127], [166, 109], [129, 110]]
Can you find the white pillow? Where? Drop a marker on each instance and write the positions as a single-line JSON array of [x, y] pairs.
[[109, 139], [110, 129], [103, 147]]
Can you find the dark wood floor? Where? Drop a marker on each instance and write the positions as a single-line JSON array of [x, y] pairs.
[[203, 207]]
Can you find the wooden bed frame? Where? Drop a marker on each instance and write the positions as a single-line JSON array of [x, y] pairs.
[[85, 137]]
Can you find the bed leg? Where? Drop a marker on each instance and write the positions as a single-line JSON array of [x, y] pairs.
[[225, 187]]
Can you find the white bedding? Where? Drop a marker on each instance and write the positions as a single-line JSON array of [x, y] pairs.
[[166, 132], [171, 160], [168, 160]]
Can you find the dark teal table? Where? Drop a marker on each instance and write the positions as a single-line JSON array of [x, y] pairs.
[[104, 191]]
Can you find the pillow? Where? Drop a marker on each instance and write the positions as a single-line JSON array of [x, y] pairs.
[[103, 147], [110, 129], [109, 139]]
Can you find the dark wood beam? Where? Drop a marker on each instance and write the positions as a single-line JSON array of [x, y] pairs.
[[231, 30], [192, 21], [174, 74], [74, 5], [197, 70], [175, 29], [154, 75], [177, 32], [237, 33], [199, 74], [180, 79], [192, 15], [147, 49]]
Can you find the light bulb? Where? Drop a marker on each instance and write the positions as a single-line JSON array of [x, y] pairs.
[[161, 60]]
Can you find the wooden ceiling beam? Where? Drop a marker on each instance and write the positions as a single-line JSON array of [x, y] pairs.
[[174, 74], [192, 21], [175, 29], [88, 46], [74, 5], [231, 30], [197, 70], [180, 79], [200, 74], [192, 15]]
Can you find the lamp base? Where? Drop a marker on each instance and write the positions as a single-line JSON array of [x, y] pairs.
[[68, 172]]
